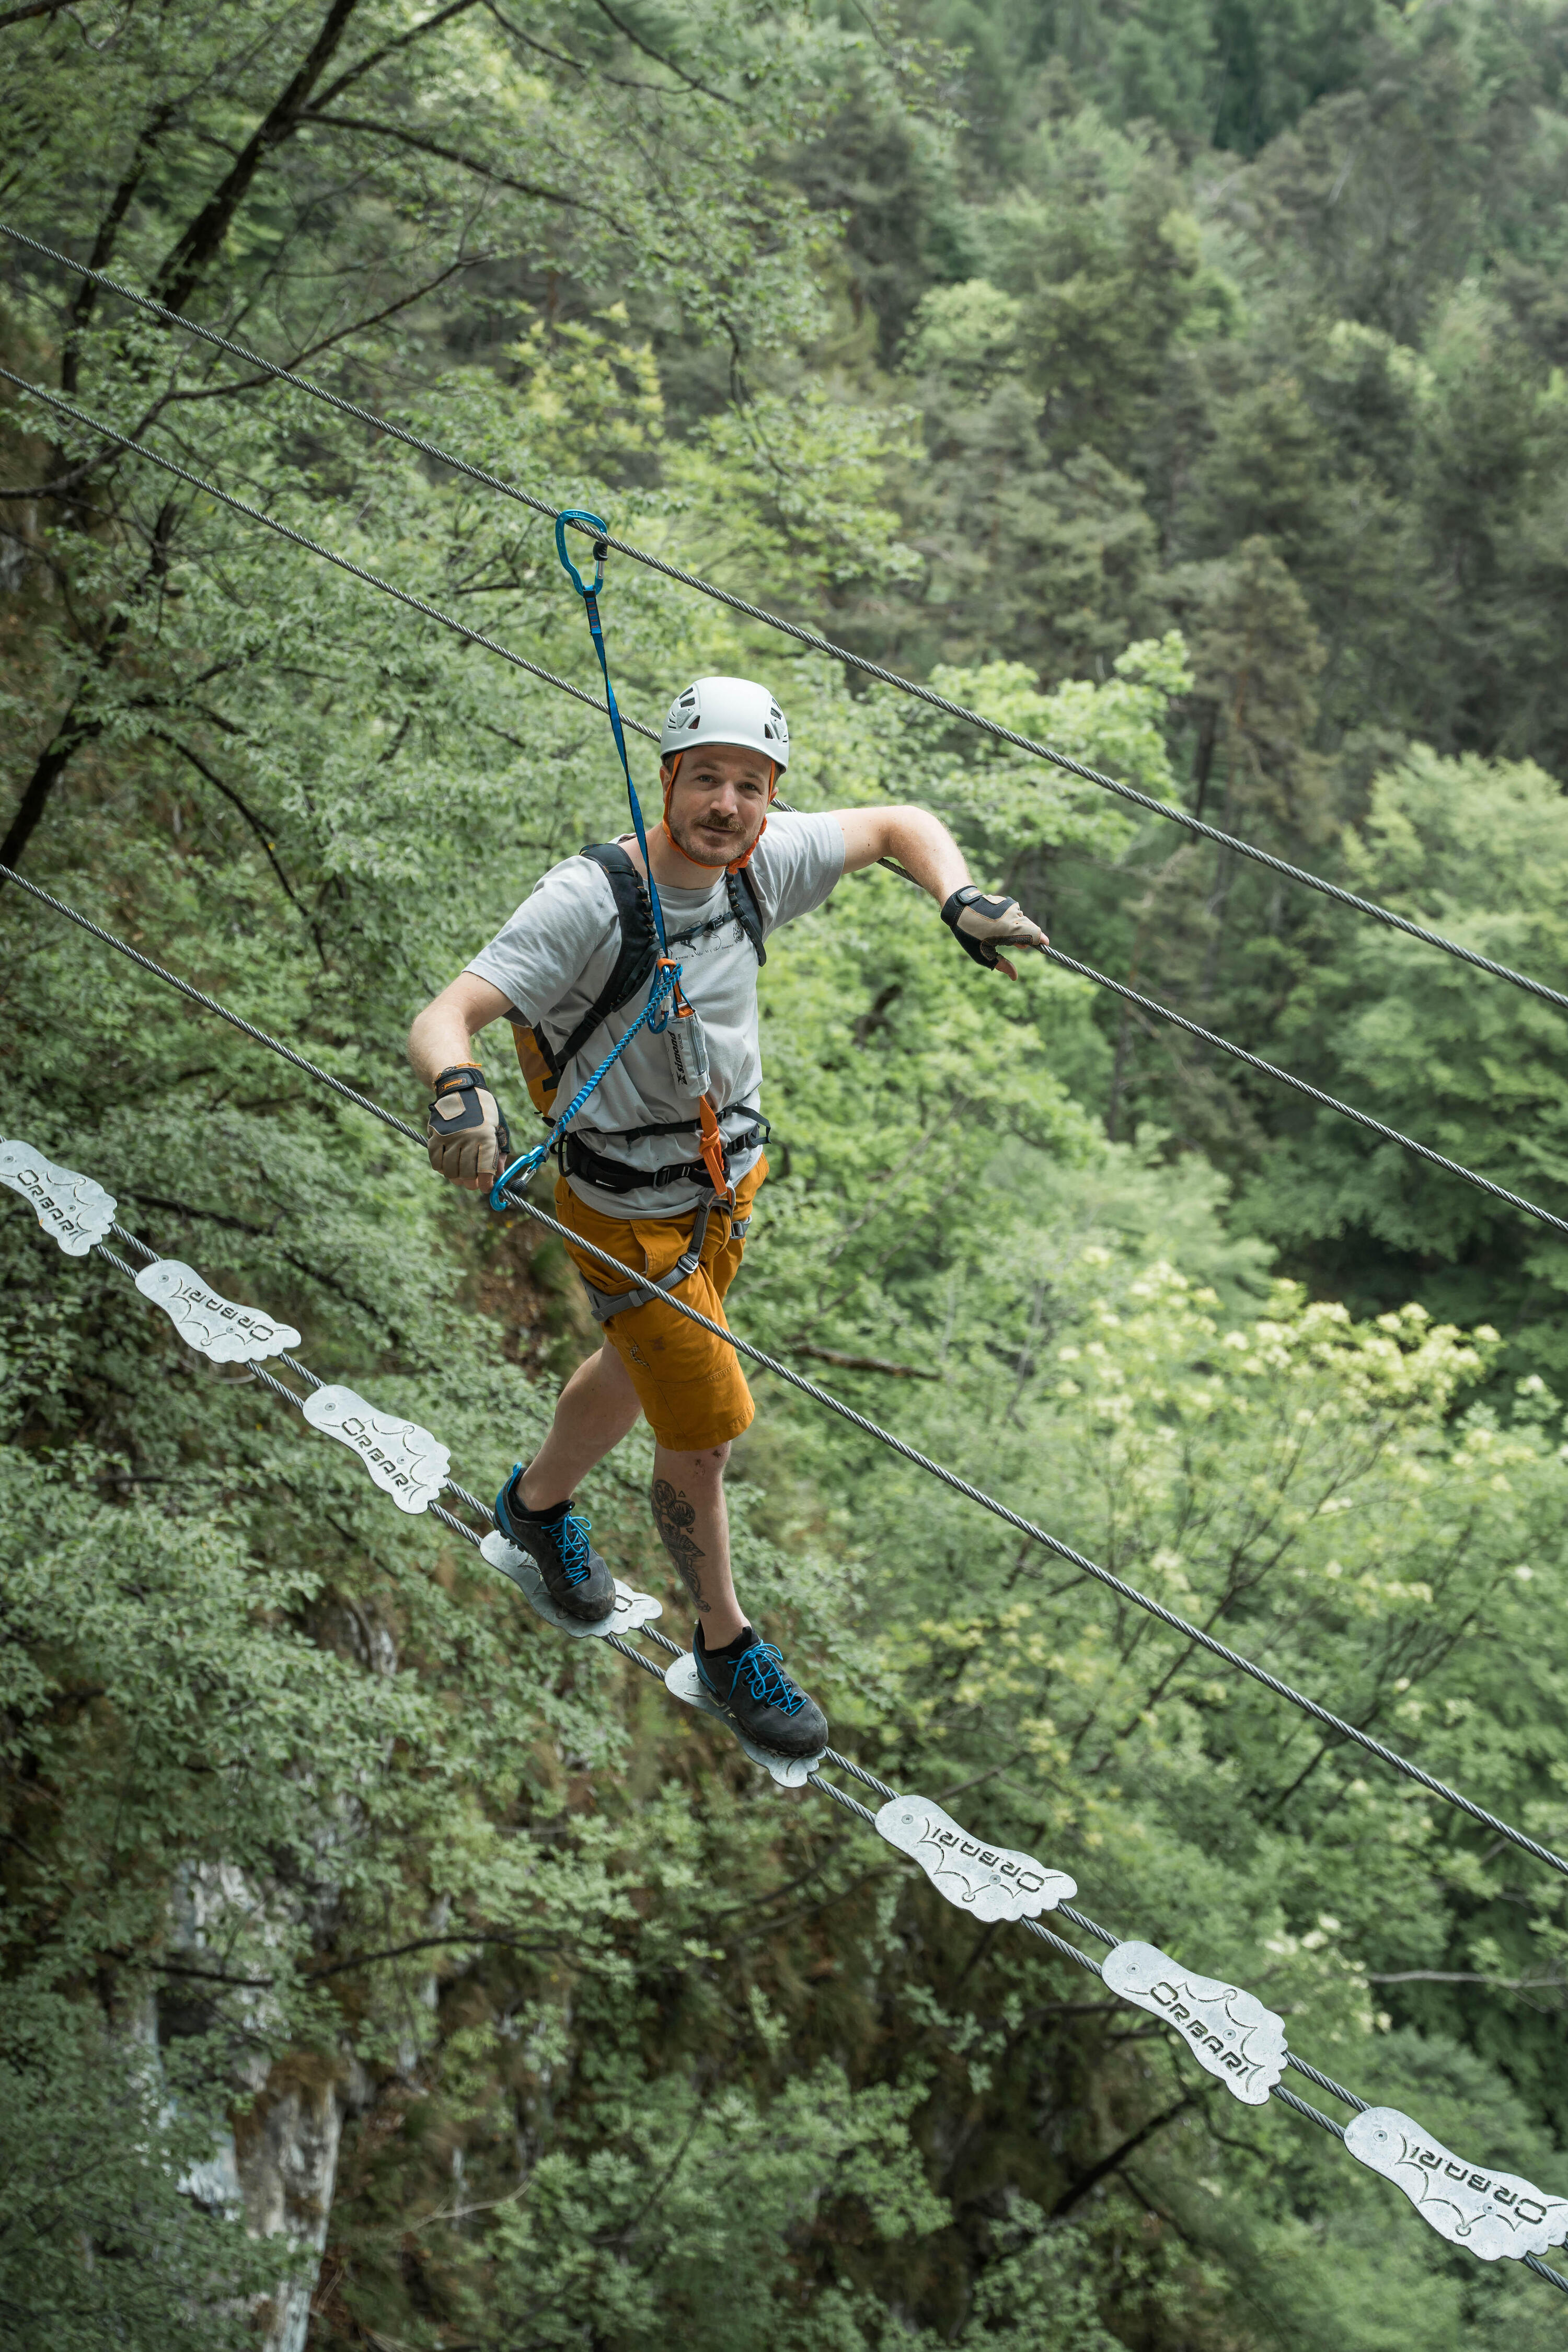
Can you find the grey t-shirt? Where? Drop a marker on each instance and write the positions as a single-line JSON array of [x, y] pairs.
[[553, 957]]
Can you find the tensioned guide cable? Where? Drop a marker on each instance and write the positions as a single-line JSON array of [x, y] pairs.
[[1170, 811], [1189, 1632], [491, 645], [1062, 1909], [862, 1813]]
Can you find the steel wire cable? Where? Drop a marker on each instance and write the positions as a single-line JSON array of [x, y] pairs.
[[549, 678], [840, 1797], [1196, 1634], [812, 639], [1313, 1094]]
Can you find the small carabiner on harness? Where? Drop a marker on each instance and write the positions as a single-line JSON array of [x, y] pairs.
[[594, 523]]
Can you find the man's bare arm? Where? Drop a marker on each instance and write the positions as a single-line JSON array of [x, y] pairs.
[[445, 1031], [924, 846], [921, 842]]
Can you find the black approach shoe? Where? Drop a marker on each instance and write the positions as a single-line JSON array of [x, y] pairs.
[[748, 1679], [576, 1578]]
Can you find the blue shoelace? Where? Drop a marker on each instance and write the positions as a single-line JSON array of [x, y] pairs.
[[574, 1543], [763, 1668]]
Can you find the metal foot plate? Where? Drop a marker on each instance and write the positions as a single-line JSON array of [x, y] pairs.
[[404, 1460], [1227, 2030], [1490, 2212], [989, 1882], [68, 1205]]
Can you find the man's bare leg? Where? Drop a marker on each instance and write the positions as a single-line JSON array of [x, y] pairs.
[[690, 1512], [594, 1412]]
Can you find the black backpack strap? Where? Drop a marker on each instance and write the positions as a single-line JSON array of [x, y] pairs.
[[746, 908], [639, 953]]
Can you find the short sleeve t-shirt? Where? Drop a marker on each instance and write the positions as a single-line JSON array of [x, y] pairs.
[[551, 958]]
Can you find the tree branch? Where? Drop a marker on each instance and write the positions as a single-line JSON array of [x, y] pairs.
[[33, 8], [390, 48], [338, 1968], [72, 732], [667, 63], [1118, 2156], [188, 259], [560, 58], [1446, 1976], [481, 170], [103, 244], [864, 1363], [252, 820]]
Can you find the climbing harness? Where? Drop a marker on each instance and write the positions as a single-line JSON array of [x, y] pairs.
[[607, 1175], [1228, 2030], [636, 960], [1147, 1004], [603, 1304], [1171, 812]]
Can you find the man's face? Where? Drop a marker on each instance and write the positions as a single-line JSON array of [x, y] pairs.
[[720, 800]]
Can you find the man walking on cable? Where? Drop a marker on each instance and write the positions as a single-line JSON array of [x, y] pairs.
[[666, 1185]]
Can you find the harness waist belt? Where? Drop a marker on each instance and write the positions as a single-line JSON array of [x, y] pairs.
[[619, 1176]]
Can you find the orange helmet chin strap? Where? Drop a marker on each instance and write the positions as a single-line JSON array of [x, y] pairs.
[[735, 863]]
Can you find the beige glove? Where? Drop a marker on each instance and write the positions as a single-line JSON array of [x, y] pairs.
[[466, 1130], [982, 925]]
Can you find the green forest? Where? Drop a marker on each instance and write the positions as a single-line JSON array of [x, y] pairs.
[[1184, 383]]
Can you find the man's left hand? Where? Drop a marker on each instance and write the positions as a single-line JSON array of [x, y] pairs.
[[982, 926]]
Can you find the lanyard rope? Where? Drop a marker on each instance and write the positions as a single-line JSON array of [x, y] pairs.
[[664, 983], [589, 592]]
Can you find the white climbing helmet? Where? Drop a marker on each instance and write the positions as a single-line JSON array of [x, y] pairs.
[[726, 710]]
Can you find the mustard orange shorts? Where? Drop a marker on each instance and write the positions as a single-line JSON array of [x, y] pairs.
[[690, 1386]]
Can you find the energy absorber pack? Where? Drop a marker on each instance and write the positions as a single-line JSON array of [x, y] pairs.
[[687, 1049]]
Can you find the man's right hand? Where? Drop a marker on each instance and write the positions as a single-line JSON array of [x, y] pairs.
[[466, 1130]]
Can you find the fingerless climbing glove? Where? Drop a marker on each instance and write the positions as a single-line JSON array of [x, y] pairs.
[[466, 1128], [982, 925]]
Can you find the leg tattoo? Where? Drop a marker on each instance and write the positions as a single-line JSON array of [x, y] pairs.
[[674, 1517]]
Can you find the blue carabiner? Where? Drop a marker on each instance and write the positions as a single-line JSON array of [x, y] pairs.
[[594, 522]]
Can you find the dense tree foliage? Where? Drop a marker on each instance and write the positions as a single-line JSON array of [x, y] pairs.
[[1178, 379]]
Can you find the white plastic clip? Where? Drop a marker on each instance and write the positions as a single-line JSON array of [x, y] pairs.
[[989, 1882], [204, 1319], [1491, 2213], [69, 1206], [1227, 2030], [683, 1681], [633, 1610], [404, 1460]]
